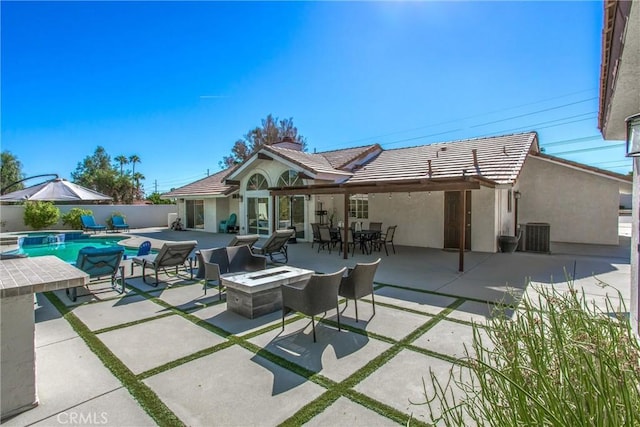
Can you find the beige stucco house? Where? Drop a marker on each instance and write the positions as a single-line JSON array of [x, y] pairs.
[[619, 103], [506, 180]]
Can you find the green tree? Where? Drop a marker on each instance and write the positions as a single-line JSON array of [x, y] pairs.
[[272, 130], [123, 160], [39, 215], [133, 159], [97, 172], [10, 172], [137, 177], [72, 218], [156, 200]]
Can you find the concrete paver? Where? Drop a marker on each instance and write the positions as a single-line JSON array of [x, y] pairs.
[[137, 345], [336, 355], [233, 323], [388, 322], [419, 301], [116, 312], [347, 413], [233, 387]]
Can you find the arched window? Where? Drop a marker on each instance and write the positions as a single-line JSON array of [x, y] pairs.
[[289, 178], [257, 182]]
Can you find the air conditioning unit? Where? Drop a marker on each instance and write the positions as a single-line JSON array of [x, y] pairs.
[[538, 237]]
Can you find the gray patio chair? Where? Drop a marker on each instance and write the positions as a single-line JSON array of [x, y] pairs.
[[315, 229], [317, 295], [244, 239], [375, 226], [275, 245], [384, 239], [325, 240], [359, 283], [232, 259], [172, 254]]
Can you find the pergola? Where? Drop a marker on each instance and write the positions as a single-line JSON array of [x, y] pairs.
[[460, 184]]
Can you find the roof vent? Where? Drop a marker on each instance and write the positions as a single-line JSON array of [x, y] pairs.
[[475, 157]]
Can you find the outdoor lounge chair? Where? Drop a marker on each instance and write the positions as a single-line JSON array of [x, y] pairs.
[[275, 245], [245, 239], [319, 294], [229, 224], [118, 223], [172, 254], [89, 223], [100, 262], [232, 259], [359, 283]]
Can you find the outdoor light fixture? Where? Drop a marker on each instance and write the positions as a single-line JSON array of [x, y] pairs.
[[633, 136], [517, 194]]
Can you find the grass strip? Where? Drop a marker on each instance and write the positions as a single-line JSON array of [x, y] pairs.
[[147, 398], [383, 409], [185, 359], [129, 324], [311, 409], [441, 294]]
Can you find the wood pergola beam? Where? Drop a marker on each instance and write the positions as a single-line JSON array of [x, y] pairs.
[[379, 188]]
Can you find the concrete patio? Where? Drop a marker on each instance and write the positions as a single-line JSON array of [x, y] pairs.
[[174, 353]]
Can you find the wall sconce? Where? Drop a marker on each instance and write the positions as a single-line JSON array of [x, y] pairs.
[[517, 194], [308, 197], [181, 200], [241, 197], [633, 136]]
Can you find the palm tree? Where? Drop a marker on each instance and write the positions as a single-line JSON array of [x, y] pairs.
[[137, 177], [133, 159], [123, 160]]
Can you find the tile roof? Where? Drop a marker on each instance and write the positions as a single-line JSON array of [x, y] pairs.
[[499, 159], [209, 186], [340, 158], [592, 169], [313, 162]]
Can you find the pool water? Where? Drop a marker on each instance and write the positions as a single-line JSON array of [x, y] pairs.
[[68, 250]]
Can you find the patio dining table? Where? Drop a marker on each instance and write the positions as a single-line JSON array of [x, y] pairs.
[[365, 237]]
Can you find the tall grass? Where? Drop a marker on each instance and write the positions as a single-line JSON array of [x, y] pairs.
[[560, 361]]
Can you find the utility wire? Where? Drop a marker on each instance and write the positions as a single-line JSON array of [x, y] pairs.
[[573, 141], [586, 150]]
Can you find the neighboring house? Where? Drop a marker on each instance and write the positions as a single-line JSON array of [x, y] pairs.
[[506, 180], [620, 100]]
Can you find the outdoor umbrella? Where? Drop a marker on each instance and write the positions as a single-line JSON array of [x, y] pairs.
[[57, 190]]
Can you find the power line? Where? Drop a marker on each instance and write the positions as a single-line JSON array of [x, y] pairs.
[[585, 150], [573, 141]]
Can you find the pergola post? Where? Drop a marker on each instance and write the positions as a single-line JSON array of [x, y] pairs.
[[463, 228], [345, 238]]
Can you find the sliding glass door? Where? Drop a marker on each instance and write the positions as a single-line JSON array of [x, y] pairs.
[[195, 214], [291, 213], [258, 215]]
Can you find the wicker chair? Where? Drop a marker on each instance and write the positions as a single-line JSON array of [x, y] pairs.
[[232, 259], [359, 283], [319, 294]]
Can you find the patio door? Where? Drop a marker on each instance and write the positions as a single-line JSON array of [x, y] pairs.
[[452, 220], [291, 213], [258, 215], [195, 214]]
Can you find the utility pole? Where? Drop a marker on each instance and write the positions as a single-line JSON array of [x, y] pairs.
[[155, 185]]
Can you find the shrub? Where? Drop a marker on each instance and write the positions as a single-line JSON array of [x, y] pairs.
[[72, 218], [561, 361], [39, 215]]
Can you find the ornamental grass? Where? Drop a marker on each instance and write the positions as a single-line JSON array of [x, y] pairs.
[[560, 360]]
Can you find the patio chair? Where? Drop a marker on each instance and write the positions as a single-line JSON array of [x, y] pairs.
[[232, 259], [229, 224], [384, 239], [118, 223], [325, 238], [100, 262], [375, 226], [89, 223], [319, 294], [172, 254], [352, 240], [359, 283], [275, 246], [315, 230], [144, 248], [245, 239]]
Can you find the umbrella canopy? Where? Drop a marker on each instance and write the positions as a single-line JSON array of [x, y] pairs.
[[57, 190]]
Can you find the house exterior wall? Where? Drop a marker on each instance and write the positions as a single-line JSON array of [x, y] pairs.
[[484, 219], [635, 248], [580, 207]]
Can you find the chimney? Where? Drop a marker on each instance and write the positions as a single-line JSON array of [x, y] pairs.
[[475, 157], [288, 142]]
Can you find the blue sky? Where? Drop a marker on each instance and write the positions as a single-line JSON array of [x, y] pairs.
[[178, 83]]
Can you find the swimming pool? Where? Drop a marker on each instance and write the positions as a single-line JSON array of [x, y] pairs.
[[68, 250]]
